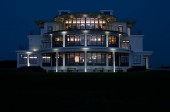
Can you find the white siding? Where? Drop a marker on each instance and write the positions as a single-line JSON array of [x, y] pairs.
[[136, 42], [34, 42]]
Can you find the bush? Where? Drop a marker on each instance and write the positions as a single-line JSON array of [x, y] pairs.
[[31, 69], [8, 64], [136, 69]]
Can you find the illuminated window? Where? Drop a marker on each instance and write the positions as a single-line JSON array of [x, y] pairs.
[[58, 41], [85, 23], [112, 41], [74, 40], [125, 44], [49, 59], [75, 58], [96, 58], [96, 40]]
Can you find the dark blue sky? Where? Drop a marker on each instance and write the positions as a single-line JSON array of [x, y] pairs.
[[152, 17]]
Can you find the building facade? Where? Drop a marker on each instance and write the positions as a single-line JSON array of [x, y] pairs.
[[84, 42]]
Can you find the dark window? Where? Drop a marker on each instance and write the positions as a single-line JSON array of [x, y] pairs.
[[49, 28], [124, 59], [33, 59], [137, 59], [120, 28], [110, 59], [22, 58]]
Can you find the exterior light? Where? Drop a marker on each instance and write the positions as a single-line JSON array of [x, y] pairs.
[[107, 32], [64, 32], [85, 49], [35, 50], [85, 15], [85, 31], [28, 52]]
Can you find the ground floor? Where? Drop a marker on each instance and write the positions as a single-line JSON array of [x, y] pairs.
[[81, 61]]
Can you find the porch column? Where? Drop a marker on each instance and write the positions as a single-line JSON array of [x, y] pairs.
[[119, 40], [56, 61], [85, 61], [107, 36], [64, 34], [113, 59], [28, 61], [85, 39], [51, 38], [147, 63]]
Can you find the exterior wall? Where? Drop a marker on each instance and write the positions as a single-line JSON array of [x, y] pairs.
[[34, 42], [54, 26], [115, 26], [136, 42]]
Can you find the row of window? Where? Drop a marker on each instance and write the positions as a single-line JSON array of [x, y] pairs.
[[77, 58], [93, 58], [85, 23], [78, 40]]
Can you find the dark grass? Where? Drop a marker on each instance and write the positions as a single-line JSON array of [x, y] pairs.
[[85, 92]]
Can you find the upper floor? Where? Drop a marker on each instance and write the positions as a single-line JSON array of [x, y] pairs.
[[73, 21]]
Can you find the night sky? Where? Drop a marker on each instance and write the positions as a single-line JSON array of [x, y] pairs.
[[152, 16]]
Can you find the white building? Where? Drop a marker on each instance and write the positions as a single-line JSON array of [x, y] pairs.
[[84, 42]]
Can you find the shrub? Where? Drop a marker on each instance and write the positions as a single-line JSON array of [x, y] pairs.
[[31, 69], [136, 69]]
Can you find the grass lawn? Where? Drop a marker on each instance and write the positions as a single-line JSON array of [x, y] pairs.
[[87, 92]]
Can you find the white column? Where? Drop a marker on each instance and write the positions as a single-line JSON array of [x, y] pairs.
[[28, 61], [85, 39], [51, 37], [85, 61], [56, 61], [119, 40], [63, 39], [129, 31], [113, 59], [147, 63], [107, 36]]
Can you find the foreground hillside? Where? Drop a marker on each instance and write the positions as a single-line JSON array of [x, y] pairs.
[[85, 92]]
